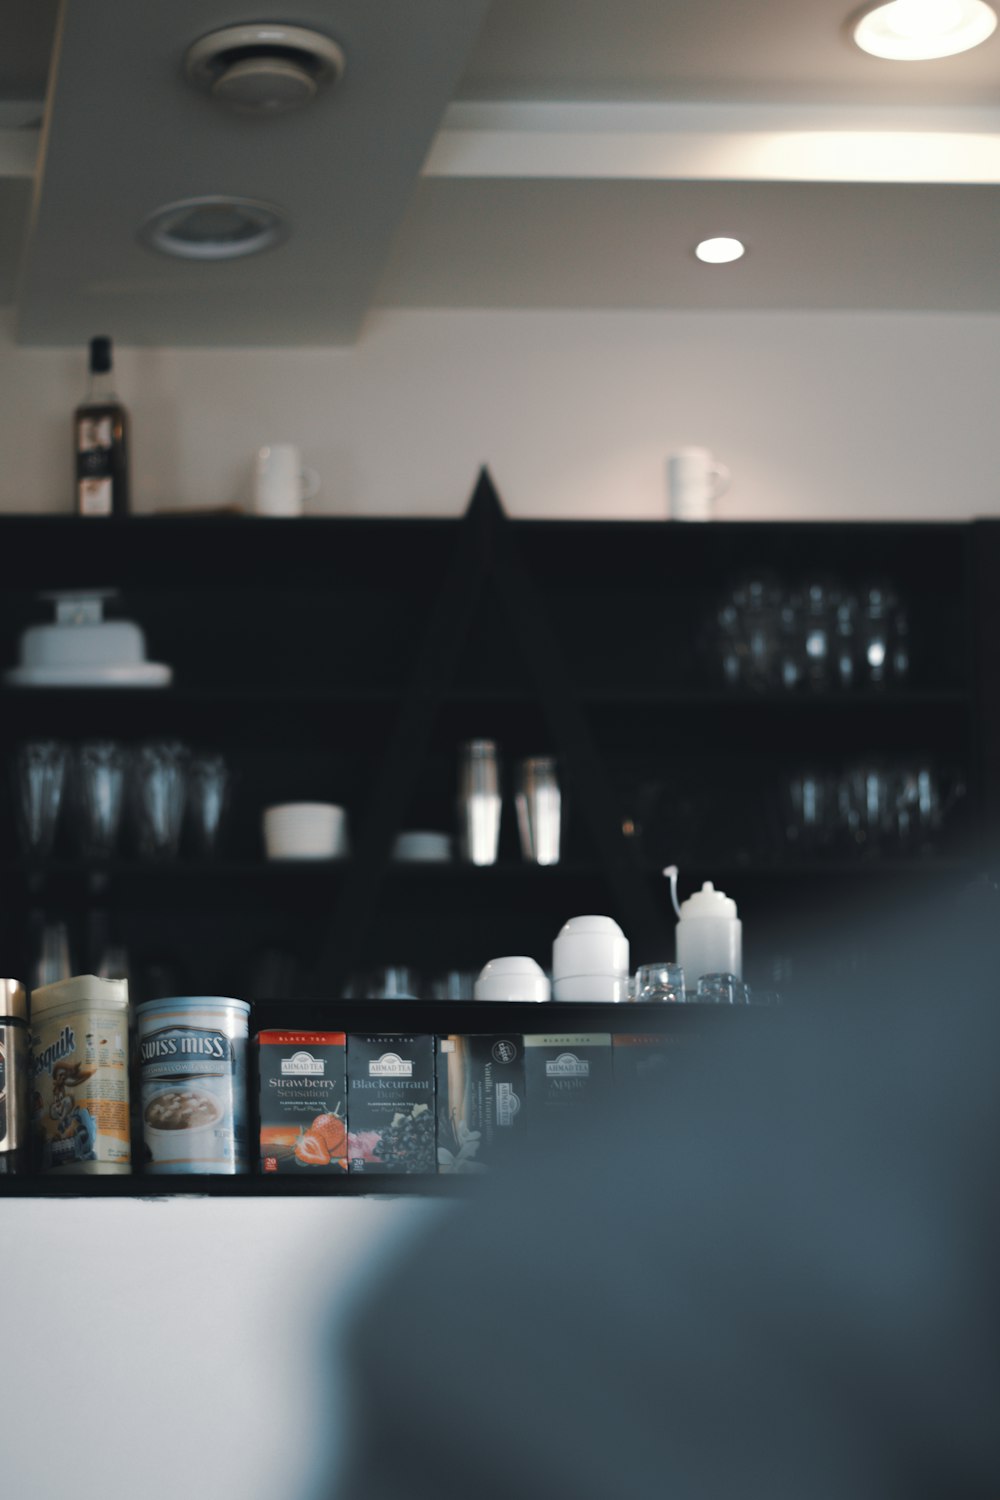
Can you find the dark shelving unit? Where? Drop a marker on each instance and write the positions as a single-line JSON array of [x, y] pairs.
[[344, 658]]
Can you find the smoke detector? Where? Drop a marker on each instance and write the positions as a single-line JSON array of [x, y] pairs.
[[264, 69]]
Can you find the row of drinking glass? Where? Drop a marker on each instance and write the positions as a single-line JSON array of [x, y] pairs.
[[820, 635], [869, 808], [653, 983], [157, 790]]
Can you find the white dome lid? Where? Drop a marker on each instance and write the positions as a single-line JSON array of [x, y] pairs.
[[516, 977], [590, 945]]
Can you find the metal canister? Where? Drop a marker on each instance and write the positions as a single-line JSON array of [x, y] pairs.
[[79, 1065], [15, 1065], [193, 1081]]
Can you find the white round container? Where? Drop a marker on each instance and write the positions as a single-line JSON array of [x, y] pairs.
[[305, 830], [590, 961], [709, 936], [516, 978], [79, 1032], [193, 1081]]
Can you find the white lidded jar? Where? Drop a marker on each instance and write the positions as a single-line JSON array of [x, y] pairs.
[[709, 936], [590, 961], [515, 978]]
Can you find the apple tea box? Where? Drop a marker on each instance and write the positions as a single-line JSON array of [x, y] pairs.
[[302, 1101], [568, 1078], [480, 1096], [390, 1104]]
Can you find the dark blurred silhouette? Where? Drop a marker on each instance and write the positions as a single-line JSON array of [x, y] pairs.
[[777, 1276]]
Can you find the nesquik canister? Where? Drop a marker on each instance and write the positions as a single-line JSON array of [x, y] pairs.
[[79, 1065], [15, 1065]]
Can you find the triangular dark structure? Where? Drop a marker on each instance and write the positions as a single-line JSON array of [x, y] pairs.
[[485, 560]]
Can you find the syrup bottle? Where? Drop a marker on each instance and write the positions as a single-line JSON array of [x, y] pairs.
[[100, 434]]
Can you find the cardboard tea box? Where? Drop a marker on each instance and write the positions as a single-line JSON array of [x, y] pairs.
[[567, 1075], [390, 1104], [302, 1101], [480, 1097]]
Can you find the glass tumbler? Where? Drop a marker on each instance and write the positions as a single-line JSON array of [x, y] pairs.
[[99, 786], [159, 789], [722, 989], [39, 781], [659, 982], [207, 802]]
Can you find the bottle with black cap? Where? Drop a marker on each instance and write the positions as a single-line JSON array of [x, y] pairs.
[[100, 432], [14, 1077]]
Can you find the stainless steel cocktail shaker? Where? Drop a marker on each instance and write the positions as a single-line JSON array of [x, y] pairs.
[[539, 809], [479, 801]]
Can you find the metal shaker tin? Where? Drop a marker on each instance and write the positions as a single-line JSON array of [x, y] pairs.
[[193, 1082], [15, 1065]]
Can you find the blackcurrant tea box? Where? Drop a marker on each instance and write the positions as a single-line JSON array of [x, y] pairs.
[[390, 1104], [302, 1101], [568, 1078], [480, 1099]]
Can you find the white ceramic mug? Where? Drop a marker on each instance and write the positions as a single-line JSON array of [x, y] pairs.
[[695, 481], [280, 483], [305, 830]]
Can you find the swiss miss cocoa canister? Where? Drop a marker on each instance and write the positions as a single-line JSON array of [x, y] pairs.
[[193, 1080], [79, 1066], [15, 1063]]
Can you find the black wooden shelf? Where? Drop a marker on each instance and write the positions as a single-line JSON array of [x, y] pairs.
[[237, 1185]]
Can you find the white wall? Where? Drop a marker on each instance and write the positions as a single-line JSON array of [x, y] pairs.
[[817, 415], [180, 1348]]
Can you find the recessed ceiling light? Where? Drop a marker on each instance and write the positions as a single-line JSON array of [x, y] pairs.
[[218, 227], [916, 30], [716, 251]]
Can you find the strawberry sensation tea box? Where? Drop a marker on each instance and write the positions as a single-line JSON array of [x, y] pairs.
[[390, 1104], [302, 1100]]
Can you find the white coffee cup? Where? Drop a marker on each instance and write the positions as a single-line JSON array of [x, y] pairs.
[[280, 483], [305, 830], [694, 482]]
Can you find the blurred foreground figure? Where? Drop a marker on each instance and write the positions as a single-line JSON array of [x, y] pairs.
[[779, 1278]]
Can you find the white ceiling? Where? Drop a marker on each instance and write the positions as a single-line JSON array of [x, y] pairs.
[[524, 153]]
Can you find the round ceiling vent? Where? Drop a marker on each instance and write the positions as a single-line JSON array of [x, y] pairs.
[[264, 69], [218, 227]]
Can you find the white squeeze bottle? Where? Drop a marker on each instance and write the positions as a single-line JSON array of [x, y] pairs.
[[709, 933]]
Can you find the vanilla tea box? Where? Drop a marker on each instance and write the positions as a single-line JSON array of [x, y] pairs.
[[302, 1101], [480, 1098], [390, 1104], [568, 1076]]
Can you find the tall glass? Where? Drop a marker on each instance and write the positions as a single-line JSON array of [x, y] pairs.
[[99, 777], [39, 781]]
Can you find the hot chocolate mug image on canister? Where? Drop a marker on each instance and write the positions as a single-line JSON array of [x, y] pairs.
[[193, 1080]]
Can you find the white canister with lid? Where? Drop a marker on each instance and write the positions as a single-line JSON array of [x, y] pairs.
[[514, 978], [590, 961], [709, 936]]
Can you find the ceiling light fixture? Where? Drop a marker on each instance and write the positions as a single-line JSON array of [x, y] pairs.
[[218, 227], [917, 30], [264, 69], [720, 249]]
